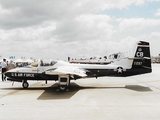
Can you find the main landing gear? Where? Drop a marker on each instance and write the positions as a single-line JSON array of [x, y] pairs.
[[64, 83], [25, 84]]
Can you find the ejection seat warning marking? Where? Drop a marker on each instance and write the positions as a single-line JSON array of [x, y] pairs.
[[138, 63], [34, 70], [22, 74]]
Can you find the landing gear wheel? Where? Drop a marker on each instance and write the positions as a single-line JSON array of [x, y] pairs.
[[25, 84], [62, 88]]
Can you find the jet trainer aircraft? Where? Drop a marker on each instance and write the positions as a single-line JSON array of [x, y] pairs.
[[63, 72]]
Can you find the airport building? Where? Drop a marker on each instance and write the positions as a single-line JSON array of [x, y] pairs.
[[106, 59], [156, 59], [101, 59]]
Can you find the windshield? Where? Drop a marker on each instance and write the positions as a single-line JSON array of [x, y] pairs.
[[47, 63], [35, 64], [43, 63]]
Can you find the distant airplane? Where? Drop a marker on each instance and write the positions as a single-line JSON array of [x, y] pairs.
[[64, 72]]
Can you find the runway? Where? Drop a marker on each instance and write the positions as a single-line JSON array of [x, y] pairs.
[[105, 98]]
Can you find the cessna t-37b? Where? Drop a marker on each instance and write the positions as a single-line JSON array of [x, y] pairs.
[[63, 72]]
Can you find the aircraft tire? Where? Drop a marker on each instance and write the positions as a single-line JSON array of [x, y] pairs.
[[25, 84], [62, 88]]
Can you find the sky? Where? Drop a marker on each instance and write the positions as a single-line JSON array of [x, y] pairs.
[[57, 29]]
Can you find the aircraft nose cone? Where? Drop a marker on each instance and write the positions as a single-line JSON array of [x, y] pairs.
[[8, 74]]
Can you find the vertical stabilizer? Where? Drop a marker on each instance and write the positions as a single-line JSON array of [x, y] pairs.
[[142, 58]]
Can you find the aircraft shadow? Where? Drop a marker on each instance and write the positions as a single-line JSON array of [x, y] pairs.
[[52, 93], [138, 88]]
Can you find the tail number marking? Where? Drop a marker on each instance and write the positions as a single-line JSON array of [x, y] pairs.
[[139, 54]]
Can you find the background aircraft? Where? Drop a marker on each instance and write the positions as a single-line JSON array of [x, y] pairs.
[[63, 72]]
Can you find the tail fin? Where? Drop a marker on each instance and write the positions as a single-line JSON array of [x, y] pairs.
[[142, 59]]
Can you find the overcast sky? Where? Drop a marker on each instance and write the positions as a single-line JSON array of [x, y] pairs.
[[62, 28]]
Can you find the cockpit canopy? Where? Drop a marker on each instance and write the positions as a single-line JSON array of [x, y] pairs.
[[43, 63]]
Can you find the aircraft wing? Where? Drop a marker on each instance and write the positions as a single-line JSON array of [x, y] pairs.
[[67, 70]]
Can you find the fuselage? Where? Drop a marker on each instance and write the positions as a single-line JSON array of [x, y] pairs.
[[38, 72]]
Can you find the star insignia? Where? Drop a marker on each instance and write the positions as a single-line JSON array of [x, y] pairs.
[[119, 70]]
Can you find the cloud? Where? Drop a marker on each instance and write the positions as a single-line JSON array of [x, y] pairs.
[[137, 23], [4, 11], [58, 29], [155, 34], [20, 13], [84, 27], [27, 41], [157, 12]]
